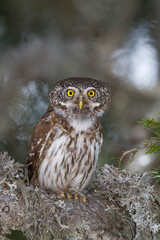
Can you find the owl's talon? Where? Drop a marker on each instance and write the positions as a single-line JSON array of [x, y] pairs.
[[73, 196], [69, 196], [62, 194], [80, 197], [83, 199], [76, 196], [65, 195]]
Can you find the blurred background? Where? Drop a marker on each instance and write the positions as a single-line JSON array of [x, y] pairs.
[[42, 42]]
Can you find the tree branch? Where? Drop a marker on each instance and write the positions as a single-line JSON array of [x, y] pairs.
[[120, 206]]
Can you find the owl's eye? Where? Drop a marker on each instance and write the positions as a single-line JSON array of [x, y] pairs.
[[70, 93], [91, 93]]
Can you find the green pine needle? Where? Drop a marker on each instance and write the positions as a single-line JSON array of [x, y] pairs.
[[152, 145]]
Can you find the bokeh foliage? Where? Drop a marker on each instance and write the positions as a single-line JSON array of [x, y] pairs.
[[44, 41]]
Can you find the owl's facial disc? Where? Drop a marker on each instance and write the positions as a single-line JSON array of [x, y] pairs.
[[81, 103], [80, 98]]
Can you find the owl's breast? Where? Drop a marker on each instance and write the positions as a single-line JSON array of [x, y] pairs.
[[70, 160]]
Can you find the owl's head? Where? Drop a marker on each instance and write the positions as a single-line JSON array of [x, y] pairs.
[[80, 98]]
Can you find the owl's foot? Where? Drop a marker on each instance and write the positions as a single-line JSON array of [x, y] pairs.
[[75, 196]]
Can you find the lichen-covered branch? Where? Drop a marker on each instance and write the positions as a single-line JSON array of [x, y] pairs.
[[119, 206]]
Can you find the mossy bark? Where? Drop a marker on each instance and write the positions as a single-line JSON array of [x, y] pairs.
[[119, 206]]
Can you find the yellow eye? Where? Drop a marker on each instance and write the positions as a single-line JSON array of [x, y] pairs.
[[70, 93], [91, 93]]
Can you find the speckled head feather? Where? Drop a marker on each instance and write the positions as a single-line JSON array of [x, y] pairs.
[[80, 82]]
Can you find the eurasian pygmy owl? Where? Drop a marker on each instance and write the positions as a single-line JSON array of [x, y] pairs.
[[66, 141]]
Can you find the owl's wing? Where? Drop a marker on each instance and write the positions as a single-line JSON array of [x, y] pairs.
[[37, 140]]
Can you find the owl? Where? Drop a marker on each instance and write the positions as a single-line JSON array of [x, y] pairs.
[[66, 141]]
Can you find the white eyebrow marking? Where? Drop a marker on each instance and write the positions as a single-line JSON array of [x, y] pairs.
[[90, 88], [72, 88]]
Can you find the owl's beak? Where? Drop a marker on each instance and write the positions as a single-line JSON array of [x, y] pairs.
[[80, 104]]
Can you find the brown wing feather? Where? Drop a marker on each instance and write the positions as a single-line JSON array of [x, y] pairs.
[[37, 139]]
